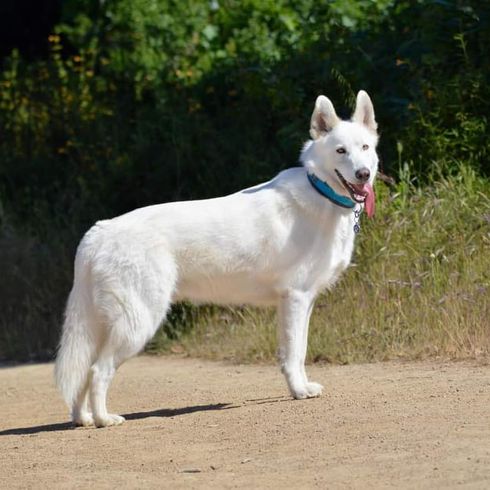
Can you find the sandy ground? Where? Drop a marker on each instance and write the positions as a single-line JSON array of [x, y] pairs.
[[197, 424]]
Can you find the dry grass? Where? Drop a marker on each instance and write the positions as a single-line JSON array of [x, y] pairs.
[[419, 286]]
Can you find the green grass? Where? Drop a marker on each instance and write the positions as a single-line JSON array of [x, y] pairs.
[[419, 286]]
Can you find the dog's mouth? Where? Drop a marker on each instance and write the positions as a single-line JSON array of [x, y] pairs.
[[360, 193]]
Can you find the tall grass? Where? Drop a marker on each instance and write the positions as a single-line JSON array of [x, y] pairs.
[[419, 286]]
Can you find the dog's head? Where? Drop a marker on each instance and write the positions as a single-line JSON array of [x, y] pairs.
[[343, 153]]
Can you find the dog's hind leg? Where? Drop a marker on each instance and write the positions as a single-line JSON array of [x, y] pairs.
[[80, 413], [101, 374], [126, 339], [136, 316], [132, 309], [294, 310]]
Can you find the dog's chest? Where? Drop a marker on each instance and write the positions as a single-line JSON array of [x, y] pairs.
[[333, 256]]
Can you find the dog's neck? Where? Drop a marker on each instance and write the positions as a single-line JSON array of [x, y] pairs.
[[338, 200], [326, 190]]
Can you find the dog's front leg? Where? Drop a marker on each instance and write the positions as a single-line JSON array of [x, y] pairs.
[[294, 311]]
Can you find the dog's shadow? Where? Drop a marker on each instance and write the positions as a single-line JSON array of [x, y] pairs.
[[174, 412], [164, 412]]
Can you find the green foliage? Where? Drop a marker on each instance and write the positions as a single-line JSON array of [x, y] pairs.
[[144, 101], [158, 41]]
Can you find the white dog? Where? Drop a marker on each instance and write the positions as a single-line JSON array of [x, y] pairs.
[[279, 243]]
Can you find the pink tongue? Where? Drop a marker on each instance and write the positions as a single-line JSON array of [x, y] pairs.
[[369, 202]]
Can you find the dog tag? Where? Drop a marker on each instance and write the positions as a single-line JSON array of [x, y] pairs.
[[357, 218]]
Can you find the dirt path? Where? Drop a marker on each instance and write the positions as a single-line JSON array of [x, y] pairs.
[[196, 424]]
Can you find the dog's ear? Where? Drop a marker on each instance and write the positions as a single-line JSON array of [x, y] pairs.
[[323, 118], [364, 112]]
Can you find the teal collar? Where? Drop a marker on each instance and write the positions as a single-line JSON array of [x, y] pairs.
[[326, 191]]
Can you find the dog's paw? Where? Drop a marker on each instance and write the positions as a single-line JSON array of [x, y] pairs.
[[108, 420], [309, 390], [83, 420], [314, 389]]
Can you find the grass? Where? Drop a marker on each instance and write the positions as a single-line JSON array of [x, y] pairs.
[[419, 286]]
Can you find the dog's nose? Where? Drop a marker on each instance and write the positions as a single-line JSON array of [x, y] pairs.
[[363, 174]]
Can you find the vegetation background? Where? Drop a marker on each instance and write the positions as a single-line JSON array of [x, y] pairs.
[[110, 105]]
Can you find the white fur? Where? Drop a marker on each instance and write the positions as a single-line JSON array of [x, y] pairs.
[[278, 243]]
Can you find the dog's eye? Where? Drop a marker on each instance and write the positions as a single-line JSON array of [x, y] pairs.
[[365, 147], [341, 150]]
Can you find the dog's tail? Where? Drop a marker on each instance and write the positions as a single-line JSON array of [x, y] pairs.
[[78, 345]]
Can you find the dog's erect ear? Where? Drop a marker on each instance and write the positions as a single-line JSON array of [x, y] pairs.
[[364, 112], [323, 118]]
